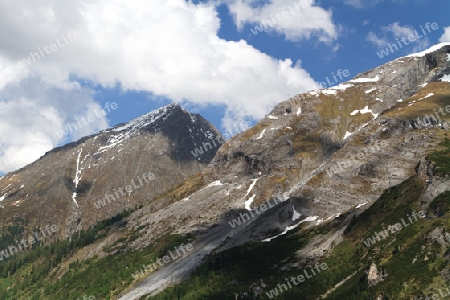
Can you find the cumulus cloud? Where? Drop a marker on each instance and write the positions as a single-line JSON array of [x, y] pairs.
[[446, 36], [168, 48], [296, 20]]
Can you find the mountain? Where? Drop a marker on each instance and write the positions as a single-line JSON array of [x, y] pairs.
[[77, 185], [338, 193]]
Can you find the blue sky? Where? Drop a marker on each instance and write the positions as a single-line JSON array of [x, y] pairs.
[[204, 55]]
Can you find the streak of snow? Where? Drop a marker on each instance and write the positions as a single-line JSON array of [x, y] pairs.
[[261, 135], [299, 111], [332, 217], [446, 78], [272, 117], [77, 178], [360, 205], [251, 186], [3, 197], [289, 228]]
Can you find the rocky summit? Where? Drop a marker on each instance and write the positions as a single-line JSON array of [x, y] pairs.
[[338, 193]]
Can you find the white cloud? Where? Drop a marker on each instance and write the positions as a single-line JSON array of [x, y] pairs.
[[370, 3], [399, 31], [32, 113], [394, 33], [446, 36], [374, 39], [169, 48], [296, 20], [354, 3]]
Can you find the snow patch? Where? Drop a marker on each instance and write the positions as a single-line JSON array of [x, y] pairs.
[[427, 96], [272, 117], [249, 202], [214, 183], [366, 79], [328, 92], [446, 78], [342, 86], [363, 111], [299, 111], [371, 90], [3, 197], [347, 134]]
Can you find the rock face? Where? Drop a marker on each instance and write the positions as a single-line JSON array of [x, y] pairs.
[[375, 276], [150, 155]]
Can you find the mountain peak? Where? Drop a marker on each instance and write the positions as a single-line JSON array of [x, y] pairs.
[[148, 119]]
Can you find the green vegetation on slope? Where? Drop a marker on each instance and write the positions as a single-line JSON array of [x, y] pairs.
[[442, 158]]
